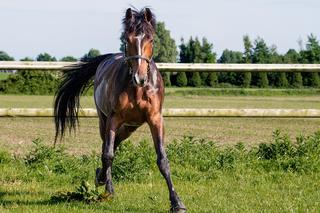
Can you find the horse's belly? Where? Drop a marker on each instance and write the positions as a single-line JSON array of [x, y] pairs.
[[100, 97]]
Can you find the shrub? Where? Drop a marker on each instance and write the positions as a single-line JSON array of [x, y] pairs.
[[190, 159], [262, 80], [212, 79], [297, 80], [204, 78], [282, 80], [30, 82], [284, 155], [246, 79], [182, 80], [4, 157], [315, 80], [133, 163], [195, 80], [166, 79]]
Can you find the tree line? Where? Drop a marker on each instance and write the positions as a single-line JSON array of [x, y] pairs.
[[195, 50]]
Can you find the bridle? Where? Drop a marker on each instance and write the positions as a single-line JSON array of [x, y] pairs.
[[128, 58]]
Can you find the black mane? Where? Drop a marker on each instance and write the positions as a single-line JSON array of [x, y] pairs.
[[138, 23]]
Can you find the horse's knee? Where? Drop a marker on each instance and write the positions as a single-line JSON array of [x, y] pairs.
[[107, 156]]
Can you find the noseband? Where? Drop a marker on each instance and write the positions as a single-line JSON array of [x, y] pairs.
[[128, 58]]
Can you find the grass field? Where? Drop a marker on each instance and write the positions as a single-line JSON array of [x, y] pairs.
[[294, 102], [281, 176], [17, 133]]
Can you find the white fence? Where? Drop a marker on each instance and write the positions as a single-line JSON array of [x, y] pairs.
[[174, 112], [175, 67]]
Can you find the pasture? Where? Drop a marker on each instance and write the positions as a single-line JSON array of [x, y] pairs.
[[218, 176]]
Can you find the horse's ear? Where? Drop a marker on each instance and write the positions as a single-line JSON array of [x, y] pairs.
[[129, 15], [148, 15]]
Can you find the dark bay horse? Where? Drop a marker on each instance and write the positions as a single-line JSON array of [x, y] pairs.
[[128, 91]]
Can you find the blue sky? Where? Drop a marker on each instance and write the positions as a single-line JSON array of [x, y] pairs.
[[72, 27]]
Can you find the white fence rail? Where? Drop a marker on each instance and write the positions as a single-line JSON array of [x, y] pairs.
[[174, 112], [175, 67]]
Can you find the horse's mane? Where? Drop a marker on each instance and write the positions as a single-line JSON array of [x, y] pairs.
[[138, 23]]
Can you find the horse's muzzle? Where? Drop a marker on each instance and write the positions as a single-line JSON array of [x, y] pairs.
[[140, 80]]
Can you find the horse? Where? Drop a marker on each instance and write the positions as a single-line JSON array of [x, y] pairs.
[[128, 92]]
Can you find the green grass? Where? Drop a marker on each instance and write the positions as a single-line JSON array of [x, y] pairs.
[[294, 102], [17, 133], [281, 176], [187, 91], [4, 75]]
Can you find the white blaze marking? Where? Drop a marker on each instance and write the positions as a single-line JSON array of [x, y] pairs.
[[139, 39]]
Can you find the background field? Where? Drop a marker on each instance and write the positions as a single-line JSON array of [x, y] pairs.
[[223, 178], [17, 133]]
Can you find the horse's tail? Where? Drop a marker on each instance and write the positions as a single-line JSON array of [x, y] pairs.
[[75, 80]]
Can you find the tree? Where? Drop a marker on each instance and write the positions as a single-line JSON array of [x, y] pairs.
[[312, 52], [295, 78], [247, 58], [68, 59], [91, 54], [165, 49], [27, 59], [248, 51], [212, 79], [182, 80], [311, 55], [282, 80], [5, 57], [195, 51], [261, 54], [195, 80], [315, 80], [45, 57], [297, 81], [229, 56], [166, 79], [278, 79]]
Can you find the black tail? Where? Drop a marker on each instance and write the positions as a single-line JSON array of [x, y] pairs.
[[75, 80]]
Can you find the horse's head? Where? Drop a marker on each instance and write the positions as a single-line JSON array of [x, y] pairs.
[[139, 30]]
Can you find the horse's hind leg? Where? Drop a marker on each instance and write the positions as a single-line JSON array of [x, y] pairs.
[[157, 130]]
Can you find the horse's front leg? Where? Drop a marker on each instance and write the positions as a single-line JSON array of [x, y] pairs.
[[157, 130], [108, 149]]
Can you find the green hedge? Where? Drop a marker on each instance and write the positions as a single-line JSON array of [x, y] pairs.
[[30, 83]]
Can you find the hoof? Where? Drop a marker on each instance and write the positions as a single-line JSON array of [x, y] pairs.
[[178, 209], [105, 197], [97, 181]]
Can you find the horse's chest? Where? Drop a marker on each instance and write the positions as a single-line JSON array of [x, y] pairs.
[[134, 106]]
